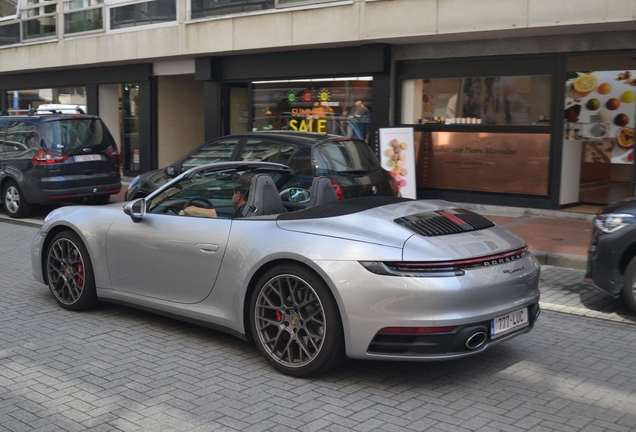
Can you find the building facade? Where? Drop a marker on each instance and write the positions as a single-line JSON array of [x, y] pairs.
[[513, 102]]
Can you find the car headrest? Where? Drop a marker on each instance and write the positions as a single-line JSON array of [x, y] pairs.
[[321, 192], [263, 198]]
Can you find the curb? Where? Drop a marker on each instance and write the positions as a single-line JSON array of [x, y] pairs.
[[558, 259]]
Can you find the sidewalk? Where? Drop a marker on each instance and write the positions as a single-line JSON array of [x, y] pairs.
[[557, 238]]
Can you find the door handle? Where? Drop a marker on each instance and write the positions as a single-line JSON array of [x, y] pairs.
[[207, 248]]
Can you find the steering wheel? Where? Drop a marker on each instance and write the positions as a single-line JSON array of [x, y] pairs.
[[199, 202]]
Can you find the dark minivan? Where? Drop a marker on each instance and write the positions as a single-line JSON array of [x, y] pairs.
[[350, 164], [47, 158]]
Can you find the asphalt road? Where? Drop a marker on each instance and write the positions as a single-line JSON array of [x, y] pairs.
[[116, 368]]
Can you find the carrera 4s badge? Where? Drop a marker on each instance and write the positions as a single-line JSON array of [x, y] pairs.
[[514, 270]]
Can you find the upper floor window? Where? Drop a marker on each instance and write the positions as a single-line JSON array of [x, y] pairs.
[[39, 19], [140, 14], [83, 16], [210, 8], [9, 27]]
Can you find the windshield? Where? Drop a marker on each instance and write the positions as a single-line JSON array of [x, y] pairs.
[[73, 135], [347, 156]]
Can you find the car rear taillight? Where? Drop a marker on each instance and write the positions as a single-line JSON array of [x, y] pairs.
[[338, 189], [112, 152], [46, 157]]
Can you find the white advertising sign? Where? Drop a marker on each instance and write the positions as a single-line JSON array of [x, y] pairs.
[[397, 155]]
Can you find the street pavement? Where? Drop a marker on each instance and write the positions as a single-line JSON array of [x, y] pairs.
[[116, 368]]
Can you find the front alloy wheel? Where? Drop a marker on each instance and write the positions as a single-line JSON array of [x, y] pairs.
[[69, 272], [295, 322]]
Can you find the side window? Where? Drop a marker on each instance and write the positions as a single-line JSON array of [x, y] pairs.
[[267, 151], [217, 151], [21, 137], [210, 192]]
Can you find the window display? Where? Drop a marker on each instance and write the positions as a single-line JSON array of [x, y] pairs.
[[335, 106], [600, 110], [495, 100]]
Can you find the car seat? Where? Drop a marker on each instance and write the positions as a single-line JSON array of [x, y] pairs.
[[263, 198], [321, 192]]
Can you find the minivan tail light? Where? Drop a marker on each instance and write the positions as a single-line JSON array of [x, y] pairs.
[[112, 152], [46, 157]]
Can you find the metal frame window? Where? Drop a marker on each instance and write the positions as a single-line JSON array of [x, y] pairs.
[[122, 16], [39, 19], [215, 8], [82, 16]]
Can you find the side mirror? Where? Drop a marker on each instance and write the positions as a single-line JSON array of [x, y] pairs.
[[136, 209], [169, 171]]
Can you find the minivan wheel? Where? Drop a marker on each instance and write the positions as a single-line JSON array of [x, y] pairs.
[[14, 202], [629, 285]]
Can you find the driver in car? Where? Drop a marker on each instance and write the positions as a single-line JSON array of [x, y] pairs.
[[240, 193]]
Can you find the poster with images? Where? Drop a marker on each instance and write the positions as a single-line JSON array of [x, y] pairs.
[[600, 107], [397, 153]]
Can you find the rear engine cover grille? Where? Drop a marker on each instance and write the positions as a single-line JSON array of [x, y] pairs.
[[444, 222]]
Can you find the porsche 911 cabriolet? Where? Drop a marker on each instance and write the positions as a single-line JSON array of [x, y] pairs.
[[309, 278]]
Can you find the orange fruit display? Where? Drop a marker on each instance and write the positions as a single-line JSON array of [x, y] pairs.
[[604, 88], [585, 84]]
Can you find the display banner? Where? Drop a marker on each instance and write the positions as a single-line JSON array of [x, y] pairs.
[[397, 155]]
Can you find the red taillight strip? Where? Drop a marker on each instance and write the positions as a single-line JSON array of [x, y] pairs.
[[417, 330], [501, 258]]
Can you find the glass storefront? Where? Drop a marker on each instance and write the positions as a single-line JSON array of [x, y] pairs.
[[62, 99], [497, 100], [339, 106], [130, 128]]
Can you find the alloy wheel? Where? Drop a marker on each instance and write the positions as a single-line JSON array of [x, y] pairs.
[[12, 199], [66, 271], [290, 321]]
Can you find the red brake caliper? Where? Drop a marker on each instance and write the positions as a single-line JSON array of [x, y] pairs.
[[80, 274], [279, 316]]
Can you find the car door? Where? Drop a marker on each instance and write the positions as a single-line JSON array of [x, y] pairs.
[[168, 256]]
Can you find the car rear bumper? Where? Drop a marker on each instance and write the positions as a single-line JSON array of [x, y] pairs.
[[44, 196], [372, 303]]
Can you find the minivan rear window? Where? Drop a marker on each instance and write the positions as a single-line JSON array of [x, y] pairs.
[[347, 156], [71, 136]]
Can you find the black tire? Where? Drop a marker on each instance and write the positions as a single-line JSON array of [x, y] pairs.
[[629, 285], [14, 202], [295, 322], [69, 272]]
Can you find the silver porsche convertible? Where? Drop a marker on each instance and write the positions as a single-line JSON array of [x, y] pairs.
[[278, 260]]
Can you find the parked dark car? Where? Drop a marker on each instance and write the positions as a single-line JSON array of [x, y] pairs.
[[611, 260], [47, 158], [351, 165]]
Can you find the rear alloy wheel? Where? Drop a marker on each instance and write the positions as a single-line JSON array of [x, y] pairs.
[[70, 273], [629, 285], [295, 322], [14, 203]]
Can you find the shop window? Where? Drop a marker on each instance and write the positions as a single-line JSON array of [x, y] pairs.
[[142, 14], [209, 8], [39, 19], [83, 16], [340, 106], [496, 100], [514, 163], [59, 99]]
